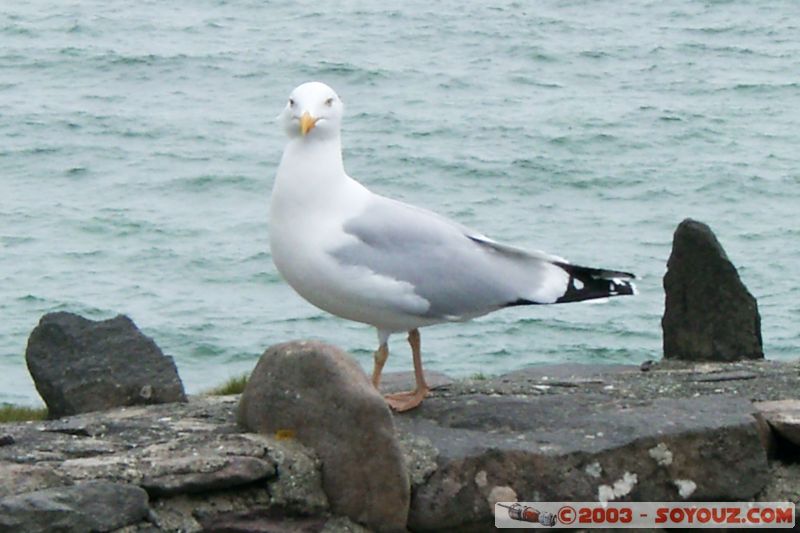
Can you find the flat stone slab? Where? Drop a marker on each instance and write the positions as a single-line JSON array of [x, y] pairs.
[[403, 381], [783, 416], [580, 447], [191, 458], [199, 474], [90, 506], [590, 432]]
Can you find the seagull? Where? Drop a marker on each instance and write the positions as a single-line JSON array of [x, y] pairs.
[[371, 259]]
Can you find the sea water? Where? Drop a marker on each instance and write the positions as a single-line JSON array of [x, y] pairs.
[[138, 145]]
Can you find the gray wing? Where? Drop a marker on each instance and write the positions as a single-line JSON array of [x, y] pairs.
[[461, 273]]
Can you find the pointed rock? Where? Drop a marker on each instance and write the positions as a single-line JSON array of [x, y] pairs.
[[709, 314]]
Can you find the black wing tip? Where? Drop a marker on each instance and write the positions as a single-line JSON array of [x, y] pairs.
[[588, 284], [592, 283], [598, 273]]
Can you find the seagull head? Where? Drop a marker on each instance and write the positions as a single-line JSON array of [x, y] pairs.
[[314, 111]]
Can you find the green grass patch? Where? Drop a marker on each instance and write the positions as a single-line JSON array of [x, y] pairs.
[[234, 385], [480, 376], [21, 413]]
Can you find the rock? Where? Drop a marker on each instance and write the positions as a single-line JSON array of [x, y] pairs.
[[80, 365], [709, 313], [783, 417], [275, 521], [191, 477], [263, 521], [188, 513], [142, 527], [17, 478], [579, 446], [299, 484], [565, 432], [191, 456], [78, 427], [717, 377], [403, 381], [319, 395], [420, 457], [6, 440], [342, 524], [91, 506]]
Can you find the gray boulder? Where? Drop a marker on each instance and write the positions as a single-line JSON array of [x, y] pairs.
[[319, 395], [709, 314], [90, 506], [681, 432], [79, 365]]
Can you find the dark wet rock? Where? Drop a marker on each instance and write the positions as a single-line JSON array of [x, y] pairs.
[[90, 506], [319, 395], [709, 314], [80, 365], [5, 440]]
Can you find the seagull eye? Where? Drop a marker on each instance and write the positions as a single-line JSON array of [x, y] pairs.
[[329, 101], [291, 102]]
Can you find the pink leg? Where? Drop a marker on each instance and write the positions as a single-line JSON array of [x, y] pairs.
[[405, 401], [381, 354]]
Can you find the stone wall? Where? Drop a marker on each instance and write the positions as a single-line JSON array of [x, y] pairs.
[[678, 431]]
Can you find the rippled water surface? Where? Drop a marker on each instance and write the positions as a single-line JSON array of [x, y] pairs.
[[138, 147]]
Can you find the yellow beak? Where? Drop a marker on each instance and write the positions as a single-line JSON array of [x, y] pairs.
[[307, 123]]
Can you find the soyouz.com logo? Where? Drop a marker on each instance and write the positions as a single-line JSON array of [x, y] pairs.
[[586, 515]]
